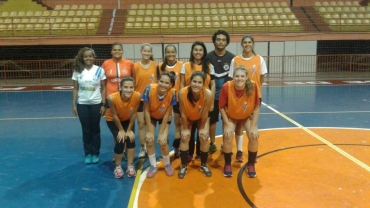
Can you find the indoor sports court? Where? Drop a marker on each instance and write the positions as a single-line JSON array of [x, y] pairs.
[[314, 122]]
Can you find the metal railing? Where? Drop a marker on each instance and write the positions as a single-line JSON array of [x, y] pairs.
[[45, 72]]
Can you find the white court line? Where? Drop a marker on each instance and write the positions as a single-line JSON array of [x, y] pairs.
[[358, 162], [45, 118]]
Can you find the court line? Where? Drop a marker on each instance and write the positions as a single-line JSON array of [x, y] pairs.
[[327, 112], [350, 157], [135, 188]]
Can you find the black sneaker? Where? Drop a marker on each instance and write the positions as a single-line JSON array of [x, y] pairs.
[[251, 171], [205, 170], [239, 156], [182, 172]]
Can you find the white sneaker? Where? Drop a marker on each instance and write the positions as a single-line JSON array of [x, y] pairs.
[[142, 152]]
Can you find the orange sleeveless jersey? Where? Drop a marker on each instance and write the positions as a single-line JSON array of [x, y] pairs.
[[254, 69], [177, 69], [143, 77], [243, 107], [157, 108], [193, 113], [124, 110], [115, 71], [189, 71]]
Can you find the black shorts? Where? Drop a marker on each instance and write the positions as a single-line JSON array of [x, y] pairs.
[[114, 129], [141, 107], [176, 108], [154, 120], [214, 118]]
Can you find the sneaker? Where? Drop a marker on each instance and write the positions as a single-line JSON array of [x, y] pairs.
[[212, 148], [190, 158], [131, 171], [88, 159], [227, 171], [118, 172], [182, 172], [142, 152], [197, 157], [152, 171], [205, 170], [168, 169], [94, 159], [177, 152], [222, 148], [239, 156], [251, 171]]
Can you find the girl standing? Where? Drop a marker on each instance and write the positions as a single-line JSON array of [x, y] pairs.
[[158, 101], [145, 72], [195, 102], [171, 64], [120, 120], [88, 101], [240, 105]]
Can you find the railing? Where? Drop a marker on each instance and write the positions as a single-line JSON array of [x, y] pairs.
[[48, 72]]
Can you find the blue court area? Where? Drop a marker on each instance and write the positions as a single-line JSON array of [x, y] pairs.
[[41, 152]]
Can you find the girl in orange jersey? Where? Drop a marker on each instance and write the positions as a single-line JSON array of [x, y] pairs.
[[145, 72], [198, 62], [158, 101], [256, 67], [195, 102], [120, 120], [115, 69], [171, 64], [240, 105]]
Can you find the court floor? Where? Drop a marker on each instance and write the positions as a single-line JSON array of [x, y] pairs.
[[314, 152]]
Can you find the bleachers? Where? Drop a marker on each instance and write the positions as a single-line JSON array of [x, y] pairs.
[[344, 16], [205, 17], [37, 20]]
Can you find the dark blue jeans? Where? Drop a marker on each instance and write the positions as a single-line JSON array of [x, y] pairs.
[[89, 116]]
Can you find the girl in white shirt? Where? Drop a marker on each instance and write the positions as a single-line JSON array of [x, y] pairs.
[[88, 101]]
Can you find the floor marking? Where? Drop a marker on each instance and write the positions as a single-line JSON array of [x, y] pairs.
[[45, 118], [135, 189], [358, 162]]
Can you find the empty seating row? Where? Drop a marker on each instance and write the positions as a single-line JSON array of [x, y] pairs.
[[336, 3], [208, 5], [48, 20], [365, 15], [48, 29], [208, 18], [349, 25], [342, 9], [363, 22], [53, 13], [262, 10], [78, 7]]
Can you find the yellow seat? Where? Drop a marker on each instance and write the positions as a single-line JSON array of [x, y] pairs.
[[260, 4], [228, 5], [252, 4], [268, 4], [198, 11], [71, 13], [244, 5], [246, 10], [205, 6], [37, 13], [29, 14], [51, 14], [33, 20], [230, 11], [79, 13], [63, 13], [222, 11], [262, 10], [157, 6], [66, 7], [74, 7], [13, 14], [67, 20], [25, 20], [220, 5], [82, 7], [283, 4], [275, 4], [236, 5], [148, 6], [189, 6], [90, 7], [189, 12], [88, 13], [58, 7], [197, 6], [206, 11], [165, 6], [340, 3], [173, 6]]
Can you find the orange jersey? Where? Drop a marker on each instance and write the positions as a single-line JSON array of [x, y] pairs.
[[143, 77], [253, 66], [192, 113], [158, 108], [123, 109], [176, 68], [240, 107], [189, 71], [115, 71]]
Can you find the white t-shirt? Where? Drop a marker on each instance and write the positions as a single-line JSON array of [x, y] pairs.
[[89, 85], [262, 71]]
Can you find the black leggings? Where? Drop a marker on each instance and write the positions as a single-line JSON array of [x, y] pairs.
[[118, 148]]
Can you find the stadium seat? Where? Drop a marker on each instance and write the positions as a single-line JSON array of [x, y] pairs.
[[21, 14], [230, 11], [157, 12], [260, 4], [275, 4], [257, 17], [166, 12], [181, 6], [361, 9], [262, 10], [13, 14], [220, 5], [197, 6], [255, 11], [317, 4], [283, 4], [348, 3], [283, 17], [354, 9], [82, 7], [346, 9], [149, 12], [37, 14], [252, 4], [197, 11], [228, 5], [268, 4], [165, 6], [340, 3], [71, 13], [244, 5], [134, 6], [189, 6], [142, 6], [98, 7], [325, 4], [79, 13], [249, 17], [206, 11], [215, 18], [360, 16], [74, 7], [66, 7], [58, 7], [330, 9], [291, 16], [205, 6]]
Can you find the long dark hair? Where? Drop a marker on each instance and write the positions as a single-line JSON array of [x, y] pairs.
[[165, 61], [204, 59], [78, 63], [248, 83], [252, 39], [190, 96]]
